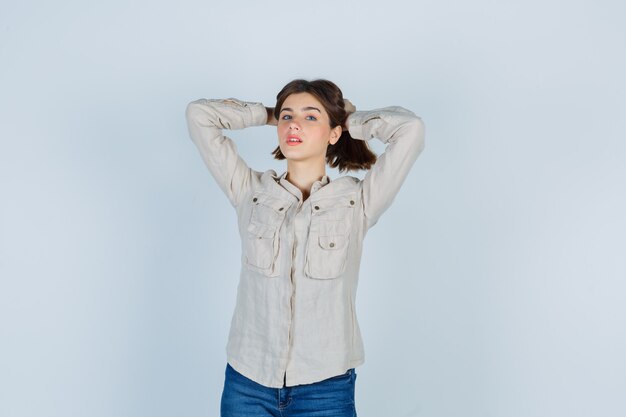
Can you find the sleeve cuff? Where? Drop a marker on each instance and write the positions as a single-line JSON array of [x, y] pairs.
[[257, 114], [356, 125]]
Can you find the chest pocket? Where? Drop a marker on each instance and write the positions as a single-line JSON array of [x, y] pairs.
[[329, 236], [262, 241]]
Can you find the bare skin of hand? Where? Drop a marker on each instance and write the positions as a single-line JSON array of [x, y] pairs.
[[271, 120], [349, 109]]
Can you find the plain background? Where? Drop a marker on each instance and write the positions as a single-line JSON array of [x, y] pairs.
[[494, 286]]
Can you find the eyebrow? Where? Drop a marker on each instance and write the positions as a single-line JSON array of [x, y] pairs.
[[303, 109]]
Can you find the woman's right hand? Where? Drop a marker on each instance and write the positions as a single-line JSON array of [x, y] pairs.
[[271, 120]]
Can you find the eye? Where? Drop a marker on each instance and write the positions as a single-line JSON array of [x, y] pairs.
[[286, 117], [311, 118]]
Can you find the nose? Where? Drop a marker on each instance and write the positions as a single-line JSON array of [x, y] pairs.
[[293, 125]]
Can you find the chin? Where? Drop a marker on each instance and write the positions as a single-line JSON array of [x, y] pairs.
[[288, 151]]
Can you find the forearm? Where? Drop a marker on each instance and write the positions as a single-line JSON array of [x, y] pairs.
[[217, 114], [387, 124]]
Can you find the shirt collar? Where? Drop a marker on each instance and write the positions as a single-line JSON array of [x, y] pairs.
[[282, 180]]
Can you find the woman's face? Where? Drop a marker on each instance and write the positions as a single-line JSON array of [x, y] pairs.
[[304, 130]]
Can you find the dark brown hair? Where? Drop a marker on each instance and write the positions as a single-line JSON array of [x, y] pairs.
[[347, 154]]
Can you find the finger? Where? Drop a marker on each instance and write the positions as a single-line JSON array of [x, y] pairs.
[[349, 106]]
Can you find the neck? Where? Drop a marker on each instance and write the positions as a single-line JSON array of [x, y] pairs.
[[304, 175]]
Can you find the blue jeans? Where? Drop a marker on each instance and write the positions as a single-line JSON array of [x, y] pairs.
[[332, 397]]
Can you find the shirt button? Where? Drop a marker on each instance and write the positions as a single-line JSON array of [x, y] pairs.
[[332, 244], [280, 209], [351, 202], [254, 200], [316, 207]]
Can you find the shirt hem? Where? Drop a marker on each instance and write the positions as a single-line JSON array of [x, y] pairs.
[[300, 380]]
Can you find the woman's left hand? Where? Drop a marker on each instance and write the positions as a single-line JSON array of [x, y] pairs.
[[349, 109]]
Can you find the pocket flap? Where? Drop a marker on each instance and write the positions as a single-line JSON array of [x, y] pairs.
[[261, 230], [335, 202], [277, 204], [332, 242]]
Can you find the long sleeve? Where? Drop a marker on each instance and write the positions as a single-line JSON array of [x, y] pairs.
[[205, 119], [403, 133]]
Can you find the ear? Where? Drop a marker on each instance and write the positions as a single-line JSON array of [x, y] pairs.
[[335, 134]]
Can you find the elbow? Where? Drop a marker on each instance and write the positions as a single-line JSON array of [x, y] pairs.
[[415, 128], [194, 115], [192, 110]]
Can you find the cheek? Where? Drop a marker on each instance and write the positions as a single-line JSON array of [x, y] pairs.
[[322, 134]]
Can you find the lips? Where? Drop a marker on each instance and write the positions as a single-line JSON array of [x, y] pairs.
[[293, 140]]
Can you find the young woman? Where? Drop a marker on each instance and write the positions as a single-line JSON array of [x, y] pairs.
[[294, 339]]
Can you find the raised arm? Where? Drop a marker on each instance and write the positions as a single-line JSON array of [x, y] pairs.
[[403, 132], [205, 119]]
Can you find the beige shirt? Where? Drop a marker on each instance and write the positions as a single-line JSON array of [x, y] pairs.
[[295, 318]]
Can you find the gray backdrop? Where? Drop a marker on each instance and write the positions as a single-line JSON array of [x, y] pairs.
[[494, 286]]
